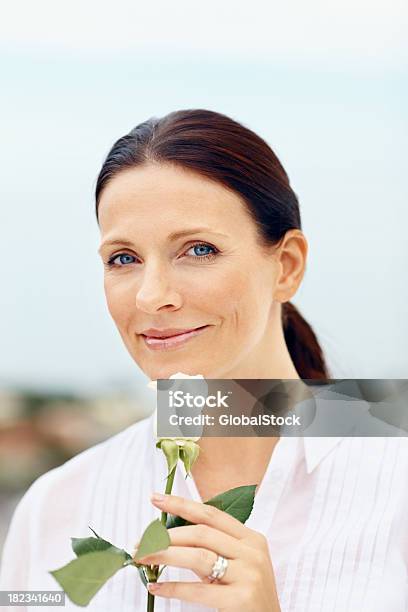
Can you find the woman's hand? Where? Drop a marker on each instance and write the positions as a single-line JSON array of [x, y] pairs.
[[248, 584]]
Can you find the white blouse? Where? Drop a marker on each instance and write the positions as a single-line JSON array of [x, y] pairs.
[[334, 510]]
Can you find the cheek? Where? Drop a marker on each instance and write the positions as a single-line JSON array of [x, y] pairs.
[[119, 300], [244, 298], [217, 291], [234, 296]]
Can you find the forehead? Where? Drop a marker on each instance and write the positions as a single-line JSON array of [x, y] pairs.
[[164, 195]]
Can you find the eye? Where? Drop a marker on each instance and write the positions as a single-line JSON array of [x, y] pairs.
[[200, 250], [124, 259], [200, 253]]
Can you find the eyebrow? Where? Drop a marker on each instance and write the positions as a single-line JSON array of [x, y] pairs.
[[172, 236]]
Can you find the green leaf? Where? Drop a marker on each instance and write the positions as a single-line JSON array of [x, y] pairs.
[[175, 521], [82, 578], [237, 502], [154, 538], [82, 546]]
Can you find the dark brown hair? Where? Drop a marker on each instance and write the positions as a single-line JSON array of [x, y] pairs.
[[221, 149]]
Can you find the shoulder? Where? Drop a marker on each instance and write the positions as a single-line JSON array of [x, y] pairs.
[[68, 476], [371, 425], [57, 500], [47, 510]]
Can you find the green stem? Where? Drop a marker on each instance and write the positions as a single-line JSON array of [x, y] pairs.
[[155, 569], [150, 602], [152, 573], [169, 486]]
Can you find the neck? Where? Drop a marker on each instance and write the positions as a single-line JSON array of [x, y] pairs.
[[220, 465], [267, 359], [225, 463]]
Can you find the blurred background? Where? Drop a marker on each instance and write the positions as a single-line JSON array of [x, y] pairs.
[[325, 83]]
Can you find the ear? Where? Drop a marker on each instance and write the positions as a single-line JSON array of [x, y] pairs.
[[291, 256]]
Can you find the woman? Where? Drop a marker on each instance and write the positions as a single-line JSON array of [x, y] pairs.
[[200, 230]]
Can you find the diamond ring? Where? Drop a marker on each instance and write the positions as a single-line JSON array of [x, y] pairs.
[[218, 569]]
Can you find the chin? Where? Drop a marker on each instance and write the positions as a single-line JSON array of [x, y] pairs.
[[165, 372]]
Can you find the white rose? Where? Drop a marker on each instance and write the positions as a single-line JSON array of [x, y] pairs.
[[153, 383], [179, 440]]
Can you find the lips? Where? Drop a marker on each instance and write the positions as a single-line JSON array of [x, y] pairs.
[[167, 333], [174, 341]]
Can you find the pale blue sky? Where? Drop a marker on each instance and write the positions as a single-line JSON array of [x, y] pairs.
[[327, 88]]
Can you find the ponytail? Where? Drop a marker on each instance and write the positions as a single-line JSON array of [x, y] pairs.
[[302, 344]]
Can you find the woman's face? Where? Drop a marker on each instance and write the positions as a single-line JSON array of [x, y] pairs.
[[181, 252]]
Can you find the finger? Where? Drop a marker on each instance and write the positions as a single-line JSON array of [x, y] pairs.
[[196, 512], [135, 547], [199, 560], [211, 595], [203, 536]]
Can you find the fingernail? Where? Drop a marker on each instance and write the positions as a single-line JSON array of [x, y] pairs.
[[153, 586], [158, 497]]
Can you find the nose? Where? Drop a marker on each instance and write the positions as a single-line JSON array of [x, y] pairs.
[[157, 291]]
